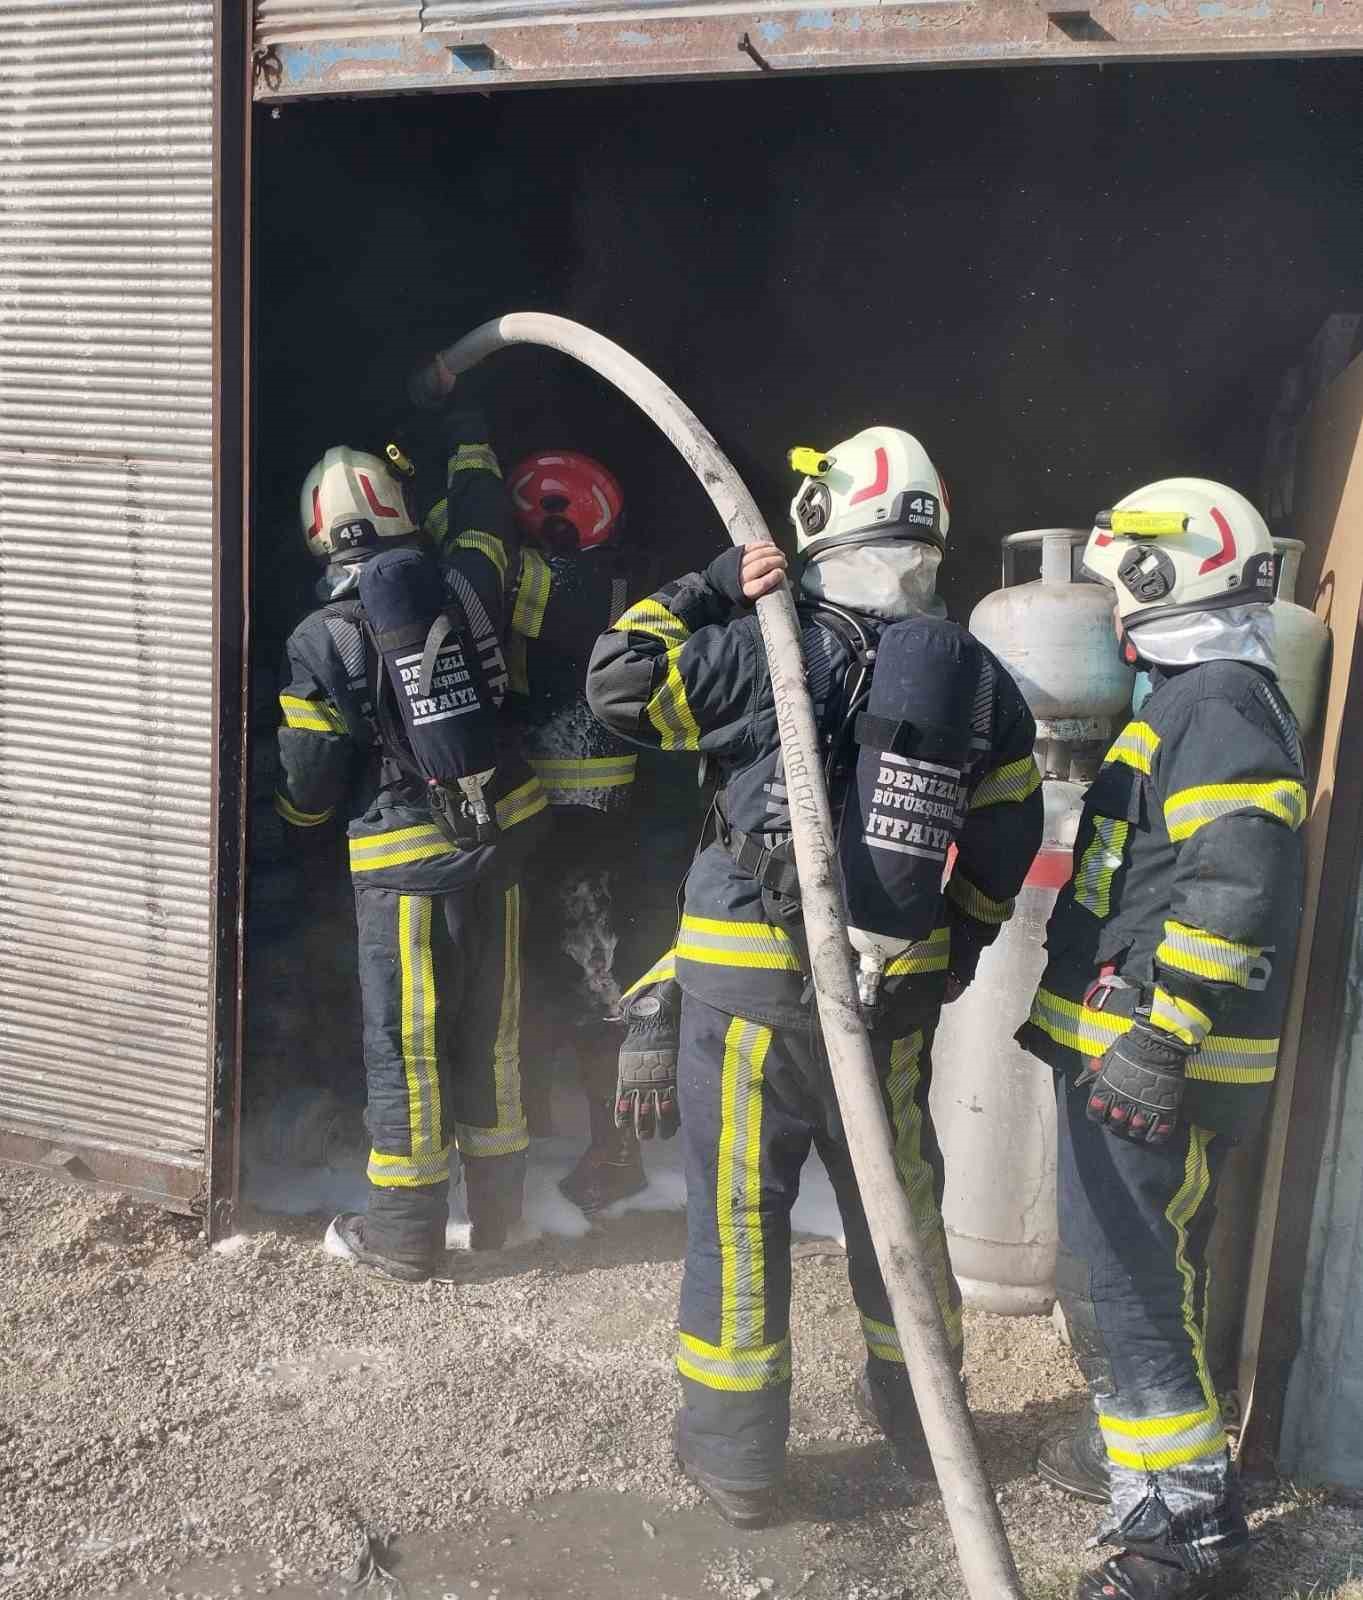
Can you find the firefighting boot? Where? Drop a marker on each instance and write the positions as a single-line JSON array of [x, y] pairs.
[[888, 1405], [740, 1508], [493, 1191], [1155, 1573], [347, 1240], [611, 1168], [1074, 1459]]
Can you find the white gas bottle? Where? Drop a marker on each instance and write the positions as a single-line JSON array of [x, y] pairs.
[[993, 1104], [1303, 641], [1055, 634]]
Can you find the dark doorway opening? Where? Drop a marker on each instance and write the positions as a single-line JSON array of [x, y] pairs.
[[1066, 281]]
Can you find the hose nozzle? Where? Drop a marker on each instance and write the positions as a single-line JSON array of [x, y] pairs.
[[808, 462]]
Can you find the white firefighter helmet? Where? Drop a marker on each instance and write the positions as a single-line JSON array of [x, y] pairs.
[[880, 485], [1180, 545], [352, 502]]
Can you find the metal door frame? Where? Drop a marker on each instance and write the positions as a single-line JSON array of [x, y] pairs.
[[232, 568], [454, 45]]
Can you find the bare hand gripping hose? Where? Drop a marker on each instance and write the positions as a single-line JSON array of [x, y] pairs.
[[981, 1544]]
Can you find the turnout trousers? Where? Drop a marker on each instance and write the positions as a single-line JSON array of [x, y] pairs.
[[571, 938], [754, 1100], [440, 987], [1132, 1281]]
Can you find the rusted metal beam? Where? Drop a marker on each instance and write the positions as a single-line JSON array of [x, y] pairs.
[[176, 1182], [482, 44]]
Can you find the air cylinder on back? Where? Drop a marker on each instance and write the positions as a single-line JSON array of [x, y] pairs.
[[444, 703], [908, 798]]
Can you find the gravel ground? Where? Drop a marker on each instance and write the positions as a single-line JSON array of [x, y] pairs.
[[178, 1421]]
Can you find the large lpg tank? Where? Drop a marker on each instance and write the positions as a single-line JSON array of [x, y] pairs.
[[993, 1104], [1054, 634], [1303, 641]]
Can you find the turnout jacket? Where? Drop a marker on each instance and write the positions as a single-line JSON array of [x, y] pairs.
[[685, 669], [330, 752], [1187, 891], [562, 604]]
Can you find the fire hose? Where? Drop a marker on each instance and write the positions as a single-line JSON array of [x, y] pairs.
[[976, 1526]]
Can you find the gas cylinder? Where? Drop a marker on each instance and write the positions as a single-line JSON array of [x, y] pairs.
[[993, 1104], [1055, 635], [1303, 641]]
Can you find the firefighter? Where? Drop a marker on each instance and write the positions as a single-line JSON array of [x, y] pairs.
[[684, 670], [438, 921], [575, 581], [1169, 960]]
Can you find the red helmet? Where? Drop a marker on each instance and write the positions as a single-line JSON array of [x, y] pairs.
[[565, 500]]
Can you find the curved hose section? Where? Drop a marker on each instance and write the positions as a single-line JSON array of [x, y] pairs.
[[981, 1544]]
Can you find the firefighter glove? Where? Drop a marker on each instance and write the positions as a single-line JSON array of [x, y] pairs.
[[646, 1094], [1137, 1087]]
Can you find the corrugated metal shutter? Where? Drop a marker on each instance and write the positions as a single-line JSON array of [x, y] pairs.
[[106, 576], [279, 21]]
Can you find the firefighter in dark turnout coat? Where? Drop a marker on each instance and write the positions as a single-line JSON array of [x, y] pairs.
[[438, 923], [578, 570], [685, 670], [1169, 961]]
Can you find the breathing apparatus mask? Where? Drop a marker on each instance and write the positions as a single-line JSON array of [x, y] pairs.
[[889, 581], [1236, 633]]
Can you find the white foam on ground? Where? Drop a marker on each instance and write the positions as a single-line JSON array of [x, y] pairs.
[[311, 1191]]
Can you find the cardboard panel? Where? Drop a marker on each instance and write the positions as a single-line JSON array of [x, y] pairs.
[[1330, 479]]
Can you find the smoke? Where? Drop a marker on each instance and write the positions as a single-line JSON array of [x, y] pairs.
[[589, 936]]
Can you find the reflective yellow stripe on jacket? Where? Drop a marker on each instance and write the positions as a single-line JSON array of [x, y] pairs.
[[928, 955], [532, 595], [486, 545], [669, 711], [652, 617], [1134, 747], [475, 458], [400, 847], [1101, 863], [1178, 1016], [975, 902], [1206, 955], [1187, 810], [717, 943], [1222, 1058], [1008, 784], [664, 970], [314, 716], [285, 808], [564, 777]]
